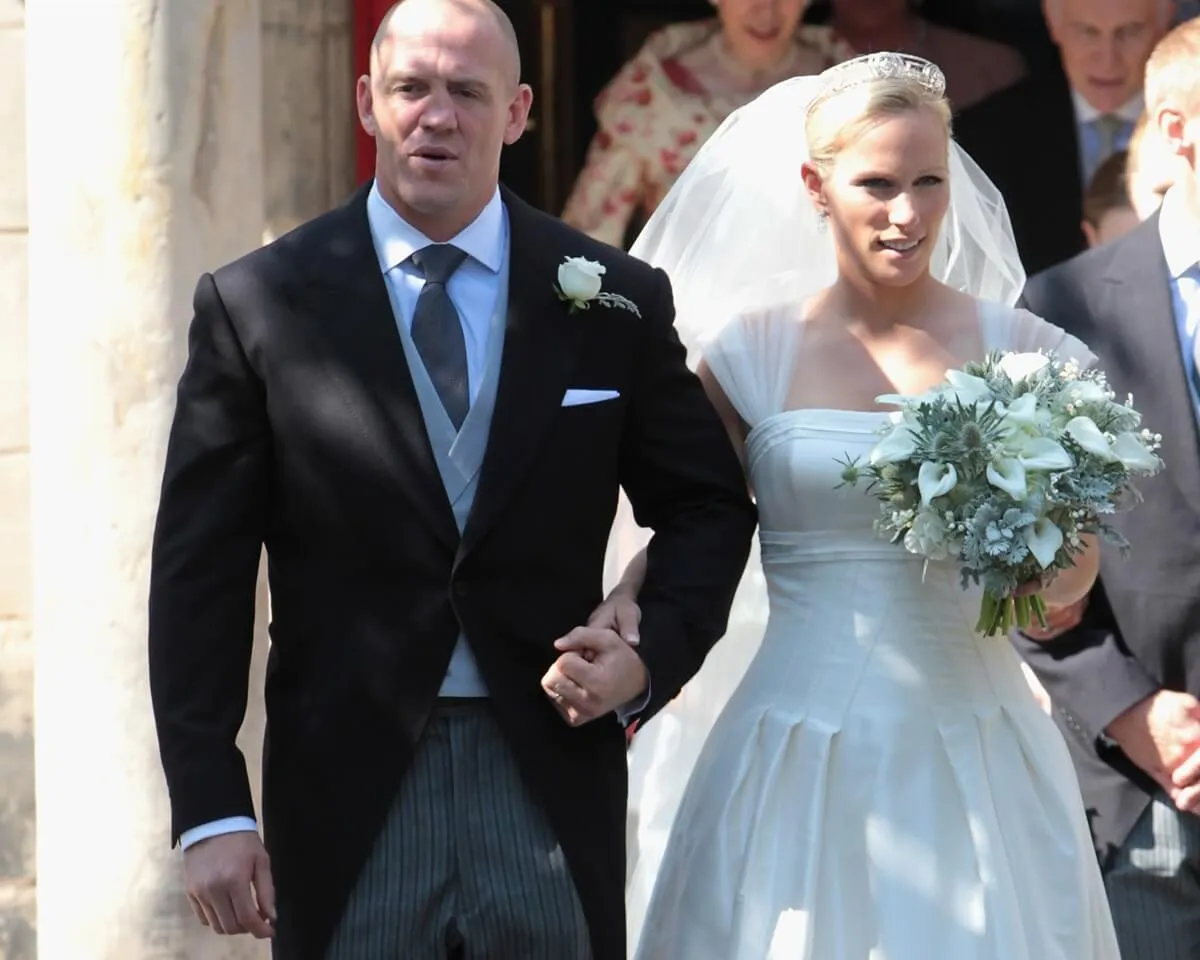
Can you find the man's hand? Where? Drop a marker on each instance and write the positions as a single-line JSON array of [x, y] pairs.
[[228, 880], [596, 673], [1161, 734]]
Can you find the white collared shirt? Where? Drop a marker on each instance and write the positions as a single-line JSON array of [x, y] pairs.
[[472, 289], [1130, 110]]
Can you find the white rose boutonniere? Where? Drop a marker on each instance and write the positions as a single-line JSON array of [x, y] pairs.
[[579, 284], [579, 281]]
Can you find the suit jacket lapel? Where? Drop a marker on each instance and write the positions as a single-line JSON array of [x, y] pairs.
[[540, 341], [355, 315], [1148, 362]]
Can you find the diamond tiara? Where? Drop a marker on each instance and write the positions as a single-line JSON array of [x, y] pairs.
[[879, 66]]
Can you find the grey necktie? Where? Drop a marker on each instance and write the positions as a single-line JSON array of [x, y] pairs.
[[437, 330]]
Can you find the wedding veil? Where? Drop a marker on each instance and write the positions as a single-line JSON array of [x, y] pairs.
[[738, 232]]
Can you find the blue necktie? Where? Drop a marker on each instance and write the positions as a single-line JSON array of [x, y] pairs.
[[1187, 285]]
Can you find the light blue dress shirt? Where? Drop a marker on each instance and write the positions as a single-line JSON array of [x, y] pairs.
[[1181, 248]]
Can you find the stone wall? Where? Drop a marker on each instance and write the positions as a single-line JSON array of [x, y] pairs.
[[16, 650], [308, 127]]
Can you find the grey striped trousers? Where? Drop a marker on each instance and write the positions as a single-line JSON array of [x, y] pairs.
[[1154, 886], [466, 866]]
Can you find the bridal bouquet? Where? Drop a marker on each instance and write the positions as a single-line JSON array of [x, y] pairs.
[[1003, 468]]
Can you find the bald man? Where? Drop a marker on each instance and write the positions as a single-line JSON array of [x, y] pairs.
[[424, 408]]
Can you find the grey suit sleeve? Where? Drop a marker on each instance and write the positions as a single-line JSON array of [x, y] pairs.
[[1089, 672]]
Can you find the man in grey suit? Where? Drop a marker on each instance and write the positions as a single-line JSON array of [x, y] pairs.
[[1125, 681], [425, 404]]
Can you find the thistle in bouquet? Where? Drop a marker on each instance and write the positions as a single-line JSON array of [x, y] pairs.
[[1005, 468]]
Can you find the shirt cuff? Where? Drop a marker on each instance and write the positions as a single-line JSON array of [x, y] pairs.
[[630, 711], [215, 829]]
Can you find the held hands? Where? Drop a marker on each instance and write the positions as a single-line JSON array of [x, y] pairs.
[[621, 613], [229, 884], [1161, 734], [598, 669]]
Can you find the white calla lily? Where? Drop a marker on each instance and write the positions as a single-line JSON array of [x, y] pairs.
[[1008, 475], [1042, 453], [1021, 366], [1084, 432], [898, 444], [1023, 411], [1132, 452], [936, 480], [1044, 540], [968, 388]]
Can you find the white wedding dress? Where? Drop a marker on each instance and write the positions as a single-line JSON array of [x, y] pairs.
[[881, 784]]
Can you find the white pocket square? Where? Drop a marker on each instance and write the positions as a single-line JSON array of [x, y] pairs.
[[577, 398]]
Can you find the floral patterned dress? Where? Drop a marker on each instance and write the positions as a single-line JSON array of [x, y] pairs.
[[653, 117]]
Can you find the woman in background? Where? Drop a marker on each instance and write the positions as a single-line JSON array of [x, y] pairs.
[[664, 103], [688, 77]]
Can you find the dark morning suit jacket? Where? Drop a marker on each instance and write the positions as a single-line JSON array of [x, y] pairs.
[[298, 427]]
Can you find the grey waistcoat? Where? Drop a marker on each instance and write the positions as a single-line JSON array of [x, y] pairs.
[[460, 455]]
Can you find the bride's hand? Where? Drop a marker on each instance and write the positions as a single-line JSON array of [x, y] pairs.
[[1058, 621], [1029, 588], [619, 613]]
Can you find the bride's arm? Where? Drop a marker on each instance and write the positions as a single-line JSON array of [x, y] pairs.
[[735, 426], [619, 609]]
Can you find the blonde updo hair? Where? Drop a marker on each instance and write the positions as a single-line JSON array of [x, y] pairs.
[[839, 119]]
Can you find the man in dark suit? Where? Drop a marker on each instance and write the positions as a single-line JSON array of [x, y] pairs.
[[1124, 682], [425, 418], [1041, 139]]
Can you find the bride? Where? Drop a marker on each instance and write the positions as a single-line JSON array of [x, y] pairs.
[[863, 778]]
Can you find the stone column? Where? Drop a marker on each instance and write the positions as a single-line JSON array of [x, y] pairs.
[[145, 168], [309, 123], [16, 647]]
